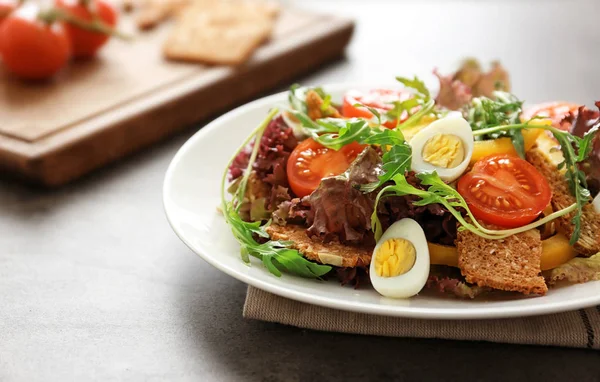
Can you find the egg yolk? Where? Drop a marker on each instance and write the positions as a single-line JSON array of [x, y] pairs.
[[395, 257], [444, 150]]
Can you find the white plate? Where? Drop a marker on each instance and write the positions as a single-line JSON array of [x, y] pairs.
[[191, 197]]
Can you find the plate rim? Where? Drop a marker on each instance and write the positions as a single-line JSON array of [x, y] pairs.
[[367, 308]]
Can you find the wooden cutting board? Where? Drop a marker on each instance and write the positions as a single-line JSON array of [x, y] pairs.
[[130, 97]]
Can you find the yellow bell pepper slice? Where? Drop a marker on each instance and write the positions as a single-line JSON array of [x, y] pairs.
[[482, 149], [443, 254], [555, 251]]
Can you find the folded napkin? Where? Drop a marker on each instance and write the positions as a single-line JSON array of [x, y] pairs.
[[579, 329]]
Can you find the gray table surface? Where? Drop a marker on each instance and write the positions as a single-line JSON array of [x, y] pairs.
[[95, 286]]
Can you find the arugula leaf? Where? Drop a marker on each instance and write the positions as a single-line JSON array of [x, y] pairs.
[[351, 130], [575, 150], [421, 97], [396, 161], [385, 137], [414, 119], [416, 84], [505, 109], [395, 114], [439, 192], [275, 255]]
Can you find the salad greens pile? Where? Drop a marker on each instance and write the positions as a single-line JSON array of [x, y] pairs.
[[489, 119], [275, 255]]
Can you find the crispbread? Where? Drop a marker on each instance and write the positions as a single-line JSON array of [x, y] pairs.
[[589, 239], [511, 264], [332, 253], [222, 33]]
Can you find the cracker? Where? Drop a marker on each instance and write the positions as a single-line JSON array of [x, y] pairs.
[[227, 33], [153, 12]]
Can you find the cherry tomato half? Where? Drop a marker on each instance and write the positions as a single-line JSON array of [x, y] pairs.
[[310, 162], [505, 190], [379, 99], [30, 48], [556, 111], [86, 43]]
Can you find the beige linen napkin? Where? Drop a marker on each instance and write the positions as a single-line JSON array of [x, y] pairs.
[[580, 329]]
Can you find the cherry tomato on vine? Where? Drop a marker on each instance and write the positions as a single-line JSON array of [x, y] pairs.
[[86, 43], [32, 48]]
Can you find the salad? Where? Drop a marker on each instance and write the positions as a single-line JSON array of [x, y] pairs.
[[464, 192]]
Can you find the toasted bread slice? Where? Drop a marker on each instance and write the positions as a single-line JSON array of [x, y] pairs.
[[511, 264], [332, 253], [589, 238]]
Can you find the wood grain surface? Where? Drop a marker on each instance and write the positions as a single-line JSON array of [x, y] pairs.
[[98, 111]]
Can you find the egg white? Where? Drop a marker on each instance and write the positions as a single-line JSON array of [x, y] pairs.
[[451, 125], [411, 282]]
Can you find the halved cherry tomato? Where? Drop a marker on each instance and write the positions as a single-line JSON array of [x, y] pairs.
[[505, 190], [379, 99], [310, 162], [555, 111], [86, 43], [31, 48]]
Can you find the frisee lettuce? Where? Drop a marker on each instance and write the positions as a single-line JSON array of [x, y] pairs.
[[275, 255]]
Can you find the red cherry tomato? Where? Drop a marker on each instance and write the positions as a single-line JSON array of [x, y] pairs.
[[505, 190], [31, 48], [379, 99], [556, 111], [86, 43], [310, 162]]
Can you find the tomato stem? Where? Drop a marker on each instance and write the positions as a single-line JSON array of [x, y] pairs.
[[53, 15]]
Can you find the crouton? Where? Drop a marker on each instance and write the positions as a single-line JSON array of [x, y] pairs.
[[589, 238], [511, 264], [331, 253], [314, 104]]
